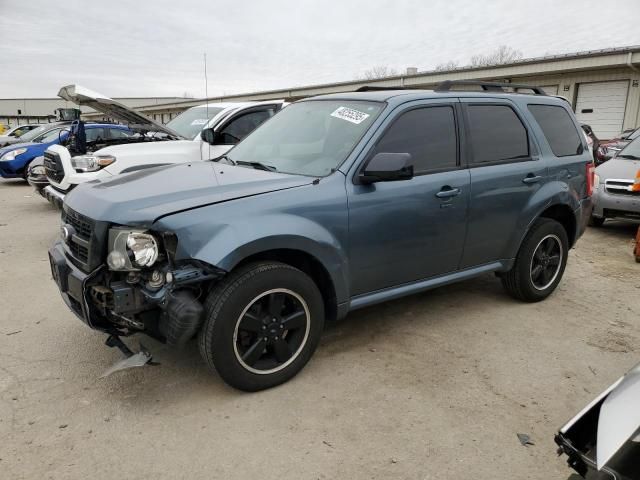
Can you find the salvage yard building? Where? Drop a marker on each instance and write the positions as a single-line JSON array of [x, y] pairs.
[[601, 85]]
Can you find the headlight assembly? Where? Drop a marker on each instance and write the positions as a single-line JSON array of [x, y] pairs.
[[91, 163], [131, 249], [13, 154]]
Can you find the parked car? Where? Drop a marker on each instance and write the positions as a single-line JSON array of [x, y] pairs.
[[617, 187], [610, 149], [603, 440], [338, 202], [226, 124], [37, 171], [13, 134], [15, 159]]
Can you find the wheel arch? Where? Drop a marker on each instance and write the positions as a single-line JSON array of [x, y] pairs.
[[565, 216], [307, 263]]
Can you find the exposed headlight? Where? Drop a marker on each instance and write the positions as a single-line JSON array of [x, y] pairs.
[[144, 249], [13, 154], [91, 163], [131, 249]]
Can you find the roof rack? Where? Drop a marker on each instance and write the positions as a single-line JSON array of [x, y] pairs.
[[373, 88], [488, 86]]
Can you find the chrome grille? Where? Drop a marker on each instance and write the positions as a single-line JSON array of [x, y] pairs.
[[620, 187]]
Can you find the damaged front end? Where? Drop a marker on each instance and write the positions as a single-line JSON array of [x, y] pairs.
[[123, 281], [603, 440]]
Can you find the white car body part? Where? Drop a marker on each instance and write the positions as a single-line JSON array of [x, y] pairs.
[[137, 156]]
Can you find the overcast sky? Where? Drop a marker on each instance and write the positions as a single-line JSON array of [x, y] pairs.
[[155, 48]]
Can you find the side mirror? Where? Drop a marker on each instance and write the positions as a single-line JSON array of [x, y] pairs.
[[208, 135], [387, 167]]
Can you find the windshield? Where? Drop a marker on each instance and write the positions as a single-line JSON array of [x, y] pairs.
[[631, 151], [308, 138], [190, 122], [30, 135], [635, 134], [50, 136]]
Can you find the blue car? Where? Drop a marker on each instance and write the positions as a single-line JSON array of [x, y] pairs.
[[15, 159]]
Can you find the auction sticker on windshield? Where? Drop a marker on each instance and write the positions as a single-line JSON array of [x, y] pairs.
[[199, 121], [350, 115]]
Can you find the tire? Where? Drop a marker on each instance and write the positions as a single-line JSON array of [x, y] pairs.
[[525, 281], [596, 221], [25, 173], [248, 297]]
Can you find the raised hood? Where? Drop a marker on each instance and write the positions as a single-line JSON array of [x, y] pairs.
[[619, 419], [140, 198], [84, 97]]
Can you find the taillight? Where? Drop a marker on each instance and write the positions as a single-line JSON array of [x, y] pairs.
[[636, 183], [591, 171]]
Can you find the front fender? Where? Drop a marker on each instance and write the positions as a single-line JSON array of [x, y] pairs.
[[223, 235]]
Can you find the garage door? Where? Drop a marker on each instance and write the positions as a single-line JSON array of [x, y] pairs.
[[550, 89], [601, 105]]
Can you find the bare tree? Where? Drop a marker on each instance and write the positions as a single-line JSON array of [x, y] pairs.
[[380, 71], [443, 67], [503, 54]]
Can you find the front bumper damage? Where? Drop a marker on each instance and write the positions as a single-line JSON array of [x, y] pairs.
[[122, 304], [603, 440]]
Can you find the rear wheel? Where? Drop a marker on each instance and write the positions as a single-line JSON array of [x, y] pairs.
[[263, 324], [540, 263]]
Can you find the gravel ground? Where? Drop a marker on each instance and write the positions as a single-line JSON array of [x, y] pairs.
[[428, 387]]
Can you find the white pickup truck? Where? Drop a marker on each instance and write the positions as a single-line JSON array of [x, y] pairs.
[[227, 124]]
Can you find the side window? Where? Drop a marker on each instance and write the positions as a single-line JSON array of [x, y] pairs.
[[94, 134], [560, 131], [497, 134], [117, 133], [243, 125], [428, 134]]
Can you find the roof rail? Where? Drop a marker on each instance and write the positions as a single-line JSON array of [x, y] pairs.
[[488, 86], [373, 88]]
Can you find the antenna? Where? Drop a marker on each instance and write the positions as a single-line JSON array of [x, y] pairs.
[[206, 94]]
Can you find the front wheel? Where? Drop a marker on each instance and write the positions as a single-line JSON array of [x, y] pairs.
[[262, 325], [540, 262]]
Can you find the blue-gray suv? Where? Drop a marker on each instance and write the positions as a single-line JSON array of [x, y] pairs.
[[338, 202]]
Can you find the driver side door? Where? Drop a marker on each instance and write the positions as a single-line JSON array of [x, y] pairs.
[[409, 230]]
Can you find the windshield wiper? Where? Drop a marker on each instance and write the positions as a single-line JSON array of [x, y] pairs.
[[224, 157], [630, 157], [258, 166]]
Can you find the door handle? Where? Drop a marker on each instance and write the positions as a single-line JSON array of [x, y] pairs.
[[531, 178], [448, 192]]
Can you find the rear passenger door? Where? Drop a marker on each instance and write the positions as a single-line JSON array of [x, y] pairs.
[[408, 230], [506, 172]]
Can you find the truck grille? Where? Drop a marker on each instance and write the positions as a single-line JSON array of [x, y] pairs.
[[53, 166], [86, 246], [620, 187]]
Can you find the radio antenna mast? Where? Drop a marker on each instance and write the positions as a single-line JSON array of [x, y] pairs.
[[206, 94]]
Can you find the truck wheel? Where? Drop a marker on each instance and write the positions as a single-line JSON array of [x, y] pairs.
[[596, 221], [540, 262], [262, 324]]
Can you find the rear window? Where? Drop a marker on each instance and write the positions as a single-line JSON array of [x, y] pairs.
[[497, 134], [560, 131]]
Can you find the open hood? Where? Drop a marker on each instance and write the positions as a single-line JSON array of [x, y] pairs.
[[619, 420], [84, 97]]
